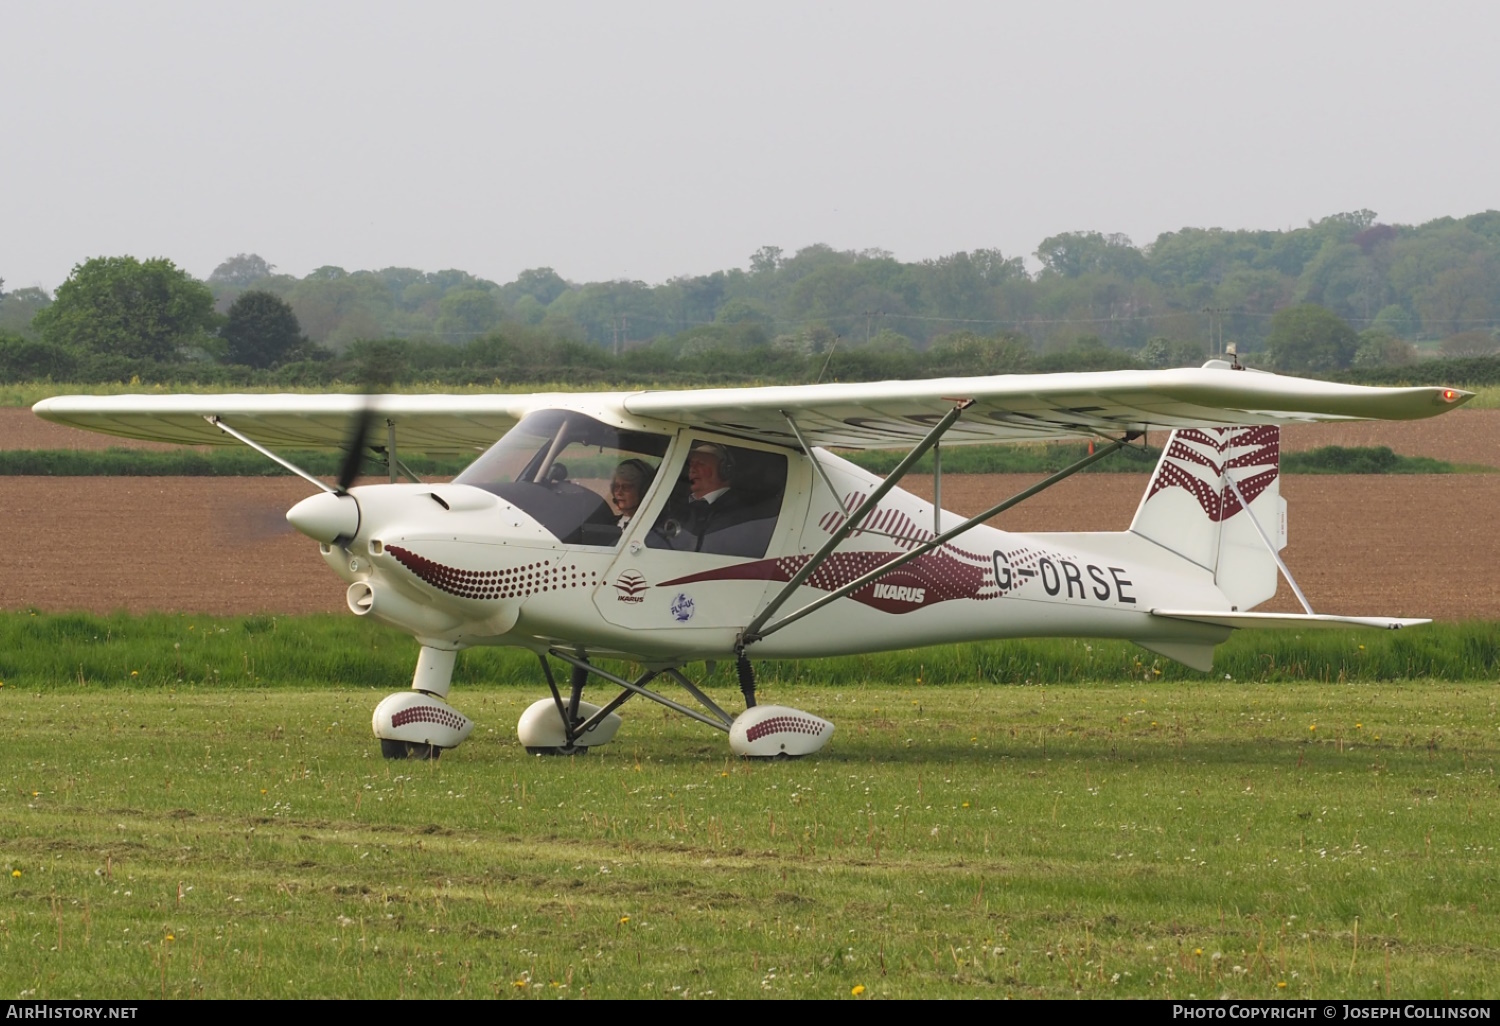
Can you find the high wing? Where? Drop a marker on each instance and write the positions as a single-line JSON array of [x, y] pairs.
[[1011, 407], [1021, 407], [437, 424]]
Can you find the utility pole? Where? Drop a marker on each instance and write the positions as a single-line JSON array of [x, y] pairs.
[[1215, 315]]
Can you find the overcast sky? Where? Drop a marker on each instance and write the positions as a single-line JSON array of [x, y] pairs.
[[646, 141]]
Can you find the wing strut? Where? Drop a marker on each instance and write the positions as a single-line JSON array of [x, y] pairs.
[[268, 454], [817, 464], [392, 462], [755, 631]]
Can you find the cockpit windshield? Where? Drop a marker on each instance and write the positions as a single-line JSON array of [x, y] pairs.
[[579, 478]]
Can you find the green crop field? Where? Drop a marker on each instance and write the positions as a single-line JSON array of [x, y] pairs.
[[196, 808]]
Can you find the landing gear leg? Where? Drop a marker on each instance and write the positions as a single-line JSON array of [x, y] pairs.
[[747, 677], [418, 724], [772, 731], [558, 726]]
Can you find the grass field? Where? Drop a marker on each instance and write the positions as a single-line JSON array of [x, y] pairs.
[[1134, 837], [41, 651]]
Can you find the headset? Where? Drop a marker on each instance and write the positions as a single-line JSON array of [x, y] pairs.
[[727, 466]]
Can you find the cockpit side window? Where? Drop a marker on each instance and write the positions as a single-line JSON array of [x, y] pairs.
[[578, 477], [726, 501]]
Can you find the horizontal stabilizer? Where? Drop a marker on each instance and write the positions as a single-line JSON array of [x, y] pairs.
[[1196, 655], [1285, 621]]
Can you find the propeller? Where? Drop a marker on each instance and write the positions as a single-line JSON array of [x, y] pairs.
[[354, 447], [333, 516]]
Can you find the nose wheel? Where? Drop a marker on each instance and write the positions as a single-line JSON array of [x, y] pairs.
[[418, 724], [409, 750]]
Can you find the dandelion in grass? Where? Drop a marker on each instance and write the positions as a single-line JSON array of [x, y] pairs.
[[1312, 726], [135, 673], [1282, 985], [857, 989], [15, 874]]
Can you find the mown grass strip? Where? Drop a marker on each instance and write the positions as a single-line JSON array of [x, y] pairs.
[[40, 650], [1139, 839]]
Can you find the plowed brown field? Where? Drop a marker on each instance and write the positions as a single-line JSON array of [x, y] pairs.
[[1401, 545], [1408, 546]]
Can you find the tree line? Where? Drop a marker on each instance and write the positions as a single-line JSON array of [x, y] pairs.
[[1346, 294]]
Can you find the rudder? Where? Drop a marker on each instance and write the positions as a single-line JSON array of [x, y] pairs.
[[1190, 508]]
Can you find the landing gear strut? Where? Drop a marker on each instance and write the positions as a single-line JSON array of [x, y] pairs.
[[418, 724], [558, 727]]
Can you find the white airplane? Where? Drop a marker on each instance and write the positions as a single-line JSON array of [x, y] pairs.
[[576, 534]]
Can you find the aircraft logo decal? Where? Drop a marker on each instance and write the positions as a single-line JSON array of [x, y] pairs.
[[630, 585], [1217, 451], [682, 607]]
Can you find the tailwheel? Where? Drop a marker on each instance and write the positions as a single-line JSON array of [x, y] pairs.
[[409, 750]]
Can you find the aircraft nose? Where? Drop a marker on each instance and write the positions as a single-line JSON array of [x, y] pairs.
[[326, 517]]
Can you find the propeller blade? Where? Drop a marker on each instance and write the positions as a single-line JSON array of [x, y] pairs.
[[354, 450]]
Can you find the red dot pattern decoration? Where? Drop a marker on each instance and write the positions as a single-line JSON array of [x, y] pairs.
[[1253, 447], [949, 573], [889, 521], [430, 714], [784, 725], [517, 582]]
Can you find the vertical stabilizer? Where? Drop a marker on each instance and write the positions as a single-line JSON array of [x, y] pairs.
[[1191, 509]]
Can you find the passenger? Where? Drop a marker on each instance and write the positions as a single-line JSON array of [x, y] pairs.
[[632, 479]]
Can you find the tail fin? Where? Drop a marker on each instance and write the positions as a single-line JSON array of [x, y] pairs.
[[1190, 509]]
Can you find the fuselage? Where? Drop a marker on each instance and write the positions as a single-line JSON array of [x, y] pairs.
[[463, 564]]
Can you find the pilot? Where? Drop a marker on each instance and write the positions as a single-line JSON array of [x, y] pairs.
[[718, 516], [630, 482]]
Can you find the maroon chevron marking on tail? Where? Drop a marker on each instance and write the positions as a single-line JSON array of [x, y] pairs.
[[1264, 450]]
